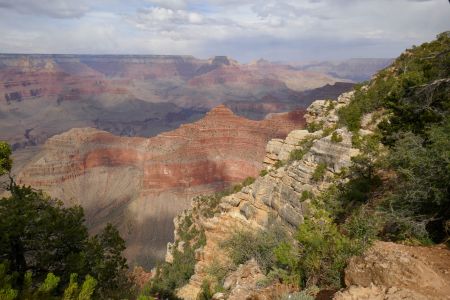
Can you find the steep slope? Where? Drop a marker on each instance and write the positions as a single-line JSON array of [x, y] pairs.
[[373, 165], [273, 196], [141, 184]]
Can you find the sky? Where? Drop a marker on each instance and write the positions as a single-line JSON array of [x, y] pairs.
[[283, 30]]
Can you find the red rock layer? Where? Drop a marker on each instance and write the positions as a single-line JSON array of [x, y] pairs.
[[130, 181]]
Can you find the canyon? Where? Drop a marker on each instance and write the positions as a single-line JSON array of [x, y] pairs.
[[141, 184], [114, 133], [142, 95]]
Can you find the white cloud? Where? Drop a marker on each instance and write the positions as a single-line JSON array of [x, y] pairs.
[[172, 4], [50, 8], [159, 17], [245, 29]]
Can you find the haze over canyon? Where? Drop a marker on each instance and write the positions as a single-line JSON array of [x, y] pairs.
[[104, 131]]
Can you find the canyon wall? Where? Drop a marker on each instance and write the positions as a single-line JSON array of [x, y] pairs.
[[284, 195], [141, 184], [276, 195], [142, 95]]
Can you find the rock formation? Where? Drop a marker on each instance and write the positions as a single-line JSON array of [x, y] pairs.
[[141, 184], [392, 271], [44, 95], [386, 271], [275, 195]]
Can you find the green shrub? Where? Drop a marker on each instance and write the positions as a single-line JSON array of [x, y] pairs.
[[205, 291], [336, 137], [40, 234], [306, 195], [398, 228], [247, 181], [356, 140], [420, 196], [7, 292], [350, 116], [263, 173], [305, 145], [362, 226], [314, 126], [278, 164], [170, 276], [327, 131], [238, 187], [319, 172], [88, 288], [5, 160], [217, 272], [394, 86], [260, 245], [331, 104], [324, 252]]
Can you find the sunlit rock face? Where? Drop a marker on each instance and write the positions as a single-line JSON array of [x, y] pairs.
[[140, 184]]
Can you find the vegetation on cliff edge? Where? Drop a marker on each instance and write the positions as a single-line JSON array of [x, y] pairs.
[[46, 252]]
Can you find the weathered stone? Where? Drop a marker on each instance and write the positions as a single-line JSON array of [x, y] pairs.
[[242, 282], [378, 293], [276, 195], [290, 215], [247, 210], [280, 150], [393, 271], [219, 296]]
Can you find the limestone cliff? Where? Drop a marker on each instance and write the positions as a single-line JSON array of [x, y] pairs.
[[276, 194], [386, 271], [141, 184]]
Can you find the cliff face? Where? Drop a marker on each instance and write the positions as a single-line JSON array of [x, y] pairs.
[[275, 195], [368, 169], [142, 184], [44, 95], [385, 271]]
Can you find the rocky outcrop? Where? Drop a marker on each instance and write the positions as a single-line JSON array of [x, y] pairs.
[[282, 194], [323, 112], [277, 195], [392, 271], [242, 282], [142, 184]]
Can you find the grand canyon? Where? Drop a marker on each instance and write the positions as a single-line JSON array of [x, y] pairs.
[[141, 184], [115, 134], [224, 150]]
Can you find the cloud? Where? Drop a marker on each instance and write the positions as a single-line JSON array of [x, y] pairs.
[[50, 8], [161, 18], [172, 4], [245, 29]]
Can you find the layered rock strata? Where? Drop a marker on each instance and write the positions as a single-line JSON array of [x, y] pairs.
[[273, 196], [141, 184], [141, 95]]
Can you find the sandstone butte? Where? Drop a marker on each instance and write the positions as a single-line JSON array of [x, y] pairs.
[[141, 184]]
